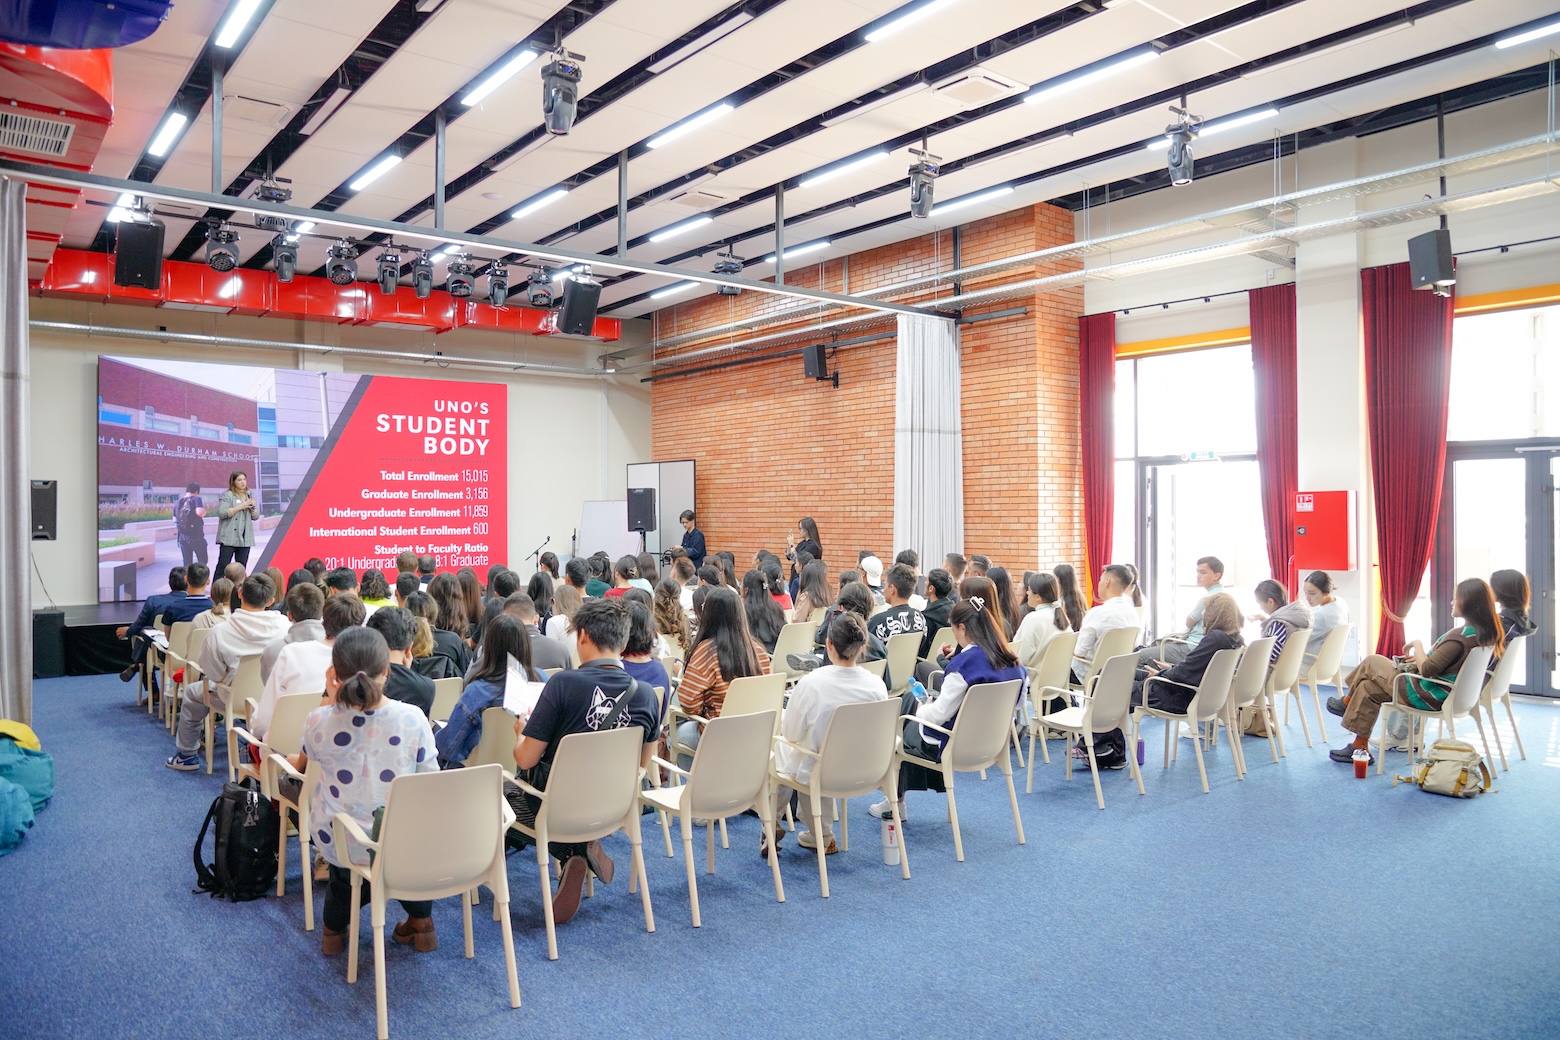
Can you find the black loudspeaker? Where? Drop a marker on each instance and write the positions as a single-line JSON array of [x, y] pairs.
[[577, 317], [48, 644], [138, 254], [641, 509], [45, 510], [817, 364], [1430, 259]]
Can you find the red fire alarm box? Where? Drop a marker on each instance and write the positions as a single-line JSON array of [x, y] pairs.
[[1324, 530]]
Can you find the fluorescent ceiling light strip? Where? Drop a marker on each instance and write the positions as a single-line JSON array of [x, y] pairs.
[[338, 97], [172, 127], [697, 44], [122, 208], [242, 12], [672, 290], [810, 247], [374, 172], [886, 99], [709, 115], [1131, 59], [835, 171], [1230, 123], [1531, 34], [907, 19], [970, 200], [303, 227], [503, 75], [537, 203], [1386, 30], [677, 229]]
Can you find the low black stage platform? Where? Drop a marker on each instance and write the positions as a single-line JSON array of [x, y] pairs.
[[80, 640]]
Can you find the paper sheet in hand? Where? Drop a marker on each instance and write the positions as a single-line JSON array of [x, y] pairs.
[[519, 693], [157, 636]]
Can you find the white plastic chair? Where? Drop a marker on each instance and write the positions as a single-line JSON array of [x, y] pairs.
[[795, 638], [173, 693], [1108, 707], [1328, 667], [592, 791], [1462, 700], [446, 694], [1498, 688], [744, 696], [1047, 681], [875, 668], [497, 743], [942, 638], [1282, 678], [246, 686], [284, 739], [729, 775], [903, 650], [442, 834], [148, 666], [857, 757], [1206, 706], [978, 740], [1112, 643], [1248, 689]]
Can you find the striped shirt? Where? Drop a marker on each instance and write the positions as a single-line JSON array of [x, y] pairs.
[[703, 690]]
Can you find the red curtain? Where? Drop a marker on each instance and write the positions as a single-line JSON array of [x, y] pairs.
[[1408, 362], [1278, 433], [1096, 405]]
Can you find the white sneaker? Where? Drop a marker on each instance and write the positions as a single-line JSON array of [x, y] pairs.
[[881, 811]]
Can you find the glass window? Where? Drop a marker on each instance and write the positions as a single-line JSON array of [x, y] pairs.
[[1196, 401], [1508, 358], [161, 425], [240, 438], [108, 415], [1126, 424], [206, 433], [268, 440]]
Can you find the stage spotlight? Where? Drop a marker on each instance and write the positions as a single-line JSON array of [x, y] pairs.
[[539, 292], [922, 175], [285, 252], [728, 263], [389, 270], [275, 190], [220, 251], [1181, 134], [560, 91], [457, 278], [341, 263], [498, 283], [422, 275]]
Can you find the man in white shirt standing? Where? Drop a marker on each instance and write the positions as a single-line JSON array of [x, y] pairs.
[[1114, 610], [1210, 575], [301, 666]]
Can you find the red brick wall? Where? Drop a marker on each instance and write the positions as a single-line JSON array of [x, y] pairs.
[[773, 447]]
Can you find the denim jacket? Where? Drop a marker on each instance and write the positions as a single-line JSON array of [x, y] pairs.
[[463, 731]]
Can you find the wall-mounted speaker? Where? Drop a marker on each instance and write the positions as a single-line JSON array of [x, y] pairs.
[[45, 510], [641, 509], [577, 316], [138, 254], [1430, 259], [816, 363]]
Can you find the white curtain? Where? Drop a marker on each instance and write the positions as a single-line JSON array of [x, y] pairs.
[[928, 440]]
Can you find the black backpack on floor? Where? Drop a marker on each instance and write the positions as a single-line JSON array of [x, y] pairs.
[[245, 864]]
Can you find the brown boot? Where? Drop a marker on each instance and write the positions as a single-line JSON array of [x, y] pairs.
[[419, 932], [566, 902], [332, 943]]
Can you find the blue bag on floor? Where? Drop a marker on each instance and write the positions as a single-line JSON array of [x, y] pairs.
[[32, 770], [16, 815]]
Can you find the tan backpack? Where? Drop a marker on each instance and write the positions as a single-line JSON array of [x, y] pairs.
[[1452, 768]]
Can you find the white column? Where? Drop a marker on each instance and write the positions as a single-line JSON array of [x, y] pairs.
[[15, 487]]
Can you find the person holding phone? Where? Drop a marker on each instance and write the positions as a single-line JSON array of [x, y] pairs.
[[236, 515]]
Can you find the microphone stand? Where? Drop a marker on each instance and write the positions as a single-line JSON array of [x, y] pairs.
[[537, 552]]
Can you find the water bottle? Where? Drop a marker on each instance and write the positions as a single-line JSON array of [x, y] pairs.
[[1361, 763], [1140, 752], [890, 844]]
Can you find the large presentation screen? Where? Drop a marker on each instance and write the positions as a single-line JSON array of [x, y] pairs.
[[348, 468]]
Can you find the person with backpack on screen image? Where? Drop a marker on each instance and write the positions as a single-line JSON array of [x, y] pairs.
[[189, 519]]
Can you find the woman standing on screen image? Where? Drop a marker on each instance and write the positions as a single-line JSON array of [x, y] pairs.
[[236, 514]]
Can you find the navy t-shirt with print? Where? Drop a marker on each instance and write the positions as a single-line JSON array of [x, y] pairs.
[[580, 699]]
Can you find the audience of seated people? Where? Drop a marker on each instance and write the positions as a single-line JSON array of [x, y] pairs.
[[1114, 609], [1210, 578], [1280, 618], [305, 603], [723, 650], [300, 667], [506, 637]]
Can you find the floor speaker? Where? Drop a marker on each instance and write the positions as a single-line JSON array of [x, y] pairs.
[[641, 509], [138, 254], [48, 644], [577, 316], [45, 510]]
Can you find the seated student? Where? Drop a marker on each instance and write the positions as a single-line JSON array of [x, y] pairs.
[[812, 590], [1007, 609], [955, 564], [671, 618], [1045, 619], [362, 740], [1114, 610], [196, 601], [912, 559], [235, 573], [1210, 575], [728, 570], [343, 582], [686, 576], [427, 567], [1511, 593], [485, 688], [316, 566], [1280, 618], [1072, 596], [597, 695], [424, 661], [983, 657], [546, 652], [405, 585], [774, 580], [451, 626], [300, 668], [647, 573], [806, 721], [566, 601], [540, 591], [939, 605], [872, 576], [277, 582], [764, 617], [470, 593], [221, 597], [305, 601], [405, 563], [252, 628], [1375, 681], [639, 658], [623, 574], [596, 586], [723, 649], [1328, 611], [547, 563], [853, 598], [154, 606], [979, 565], [374, 591], [402, 684], [900, 617]]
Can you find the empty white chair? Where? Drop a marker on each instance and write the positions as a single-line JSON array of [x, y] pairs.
[[497, 743], [1498, 688], [446, 694], [1461, 700], [246, 687], [1328, 667], [1206, 706], [978, 740], [744, 696], [442, 834], [1248, 689], [284, 739], [1107, 707], [1047, 681]]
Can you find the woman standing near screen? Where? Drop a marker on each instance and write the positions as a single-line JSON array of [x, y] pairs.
[[236, 514]]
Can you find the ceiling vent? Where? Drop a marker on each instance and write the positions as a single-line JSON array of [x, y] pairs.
[[24, 133], [975, 87], [256, 110], [698, 198]]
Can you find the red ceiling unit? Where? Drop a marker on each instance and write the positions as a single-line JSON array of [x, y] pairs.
[[474, 315], [314, 299], [437, 312]]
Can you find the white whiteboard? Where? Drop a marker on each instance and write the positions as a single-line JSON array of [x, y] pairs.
[[604, 528]]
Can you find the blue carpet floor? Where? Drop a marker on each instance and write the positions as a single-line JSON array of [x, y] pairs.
[[1299, 903]]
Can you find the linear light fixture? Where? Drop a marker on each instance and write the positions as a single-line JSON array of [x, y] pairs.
[[810, 247], [374, 172], [122, 208], [238, 19], [845, 167], [970, 200], [503, 74], [327, 109], [1121, 63], [172, 127], [1532, 34], [537, 203], [698, 43], [672, 290], [304, 227], [709, 115], [677, 229], [1218, 127], [878, 102], [1385, 30], [907, 19]]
